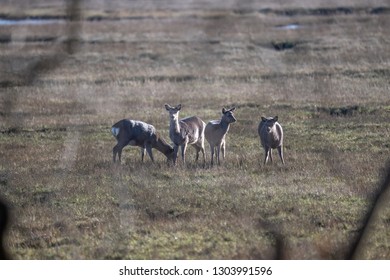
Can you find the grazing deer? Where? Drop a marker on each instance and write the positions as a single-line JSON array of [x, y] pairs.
[[3, 227], [141, 134], [271, 137], [185, 131], [216, 131]]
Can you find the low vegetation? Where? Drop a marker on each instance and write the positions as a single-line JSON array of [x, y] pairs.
[[327, 81]]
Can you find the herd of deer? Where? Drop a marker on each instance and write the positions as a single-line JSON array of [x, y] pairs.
[[193, 131]]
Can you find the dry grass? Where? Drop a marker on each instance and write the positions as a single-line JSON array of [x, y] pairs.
[[68, 201]]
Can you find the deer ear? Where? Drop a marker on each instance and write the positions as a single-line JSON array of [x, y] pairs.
[[232, 109], [167, 107], [263, 119], [223, 110], [178, 107], [276, 118]]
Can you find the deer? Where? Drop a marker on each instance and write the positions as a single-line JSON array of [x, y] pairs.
[[141, 134], [186, 131], [271, 137], [215, 133]]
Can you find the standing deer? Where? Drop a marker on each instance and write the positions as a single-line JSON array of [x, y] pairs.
[[271, 137], [185, 131], [216, 131], [141, 134]]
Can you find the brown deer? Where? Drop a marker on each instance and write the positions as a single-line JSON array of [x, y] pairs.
[[185, 131], [216, 131], [271, 137], [141, 134]]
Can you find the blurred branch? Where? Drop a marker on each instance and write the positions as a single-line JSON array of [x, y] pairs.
[[42, 64], [379, 201], [3, 226], [73, 15]]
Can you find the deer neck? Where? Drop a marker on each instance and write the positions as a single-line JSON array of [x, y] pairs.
[[174, 125], [162, 146], [224, 125], [273, 133]]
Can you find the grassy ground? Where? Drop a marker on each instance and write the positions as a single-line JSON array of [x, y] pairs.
[[328, 81]]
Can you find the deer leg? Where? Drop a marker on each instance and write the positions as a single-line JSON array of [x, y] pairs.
[[149, 151], [203, 151], [175, 151], [204, 155], [280, 151], [218, 153], [223, 148], [197, 153], [212, 155], [183, 152], [117, 150], [266, 150], [114, 152], [142, 153]]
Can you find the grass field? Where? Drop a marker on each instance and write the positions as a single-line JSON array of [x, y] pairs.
[[322, 67]]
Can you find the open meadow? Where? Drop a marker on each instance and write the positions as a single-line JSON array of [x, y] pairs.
[[323, 67]]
